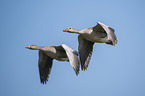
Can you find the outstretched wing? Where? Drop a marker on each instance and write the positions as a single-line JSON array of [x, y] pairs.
[[85, 51], [110, 31], [73, 58], [45, 65]]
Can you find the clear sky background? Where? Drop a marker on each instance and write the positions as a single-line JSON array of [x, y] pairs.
[[113, 71]]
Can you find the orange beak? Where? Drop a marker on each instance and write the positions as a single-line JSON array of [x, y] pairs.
[[27, 46], [65, 30]]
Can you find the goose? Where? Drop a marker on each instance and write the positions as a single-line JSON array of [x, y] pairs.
[[100, 33], [60, 53]]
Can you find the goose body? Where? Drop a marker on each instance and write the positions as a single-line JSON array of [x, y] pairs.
[[100, 33], [94, 36], [60, 53], [55, 52]]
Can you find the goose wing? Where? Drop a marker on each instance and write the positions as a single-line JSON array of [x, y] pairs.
[[73, 58], [45, 65], [85, 51], [110, 31]]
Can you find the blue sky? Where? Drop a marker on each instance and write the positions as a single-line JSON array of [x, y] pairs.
[[113, 71]]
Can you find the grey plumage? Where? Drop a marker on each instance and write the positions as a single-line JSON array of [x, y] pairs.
[[60, 53], [100, 33]]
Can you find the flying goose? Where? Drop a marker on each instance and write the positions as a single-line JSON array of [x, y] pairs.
[[60, 53], [100, 33]]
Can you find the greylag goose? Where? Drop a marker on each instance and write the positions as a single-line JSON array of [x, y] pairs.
[[100, 33], [60, 53]]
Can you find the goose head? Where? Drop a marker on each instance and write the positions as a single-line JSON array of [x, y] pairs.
[[70, 30], [33, 47]]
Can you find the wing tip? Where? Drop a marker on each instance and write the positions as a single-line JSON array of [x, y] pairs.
[[100, 23], [77, 73], [77, 70], [114, 43], [84, 68], [44, 81]]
